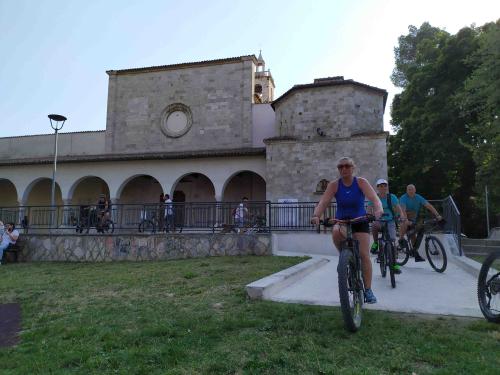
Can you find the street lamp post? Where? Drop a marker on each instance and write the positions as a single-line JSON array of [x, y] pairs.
[[56, 122]]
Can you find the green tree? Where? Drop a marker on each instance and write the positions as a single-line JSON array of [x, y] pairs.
[[480, 106], [430, 147]]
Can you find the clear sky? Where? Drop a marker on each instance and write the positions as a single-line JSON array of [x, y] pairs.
[[54, 53]]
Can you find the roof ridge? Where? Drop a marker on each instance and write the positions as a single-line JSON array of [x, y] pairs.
[[60, 133], [183, 65]]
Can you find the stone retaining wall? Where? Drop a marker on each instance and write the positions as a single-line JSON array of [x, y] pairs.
[[100, 248]]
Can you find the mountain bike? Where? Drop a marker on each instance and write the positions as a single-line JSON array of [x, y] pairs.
[[387, 251], [434, 249], [91, 218], [488, 288], [350, 279]]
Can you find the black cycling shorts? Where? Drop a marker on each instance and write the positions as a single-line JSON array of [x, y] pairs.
[[362, 227]]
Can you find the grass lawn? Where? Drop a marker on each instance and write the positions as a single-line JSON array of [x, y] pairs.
[[193, 317]]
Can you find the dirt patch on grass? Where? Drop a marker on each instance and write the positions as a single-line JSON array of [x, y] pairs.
[[10, 324]]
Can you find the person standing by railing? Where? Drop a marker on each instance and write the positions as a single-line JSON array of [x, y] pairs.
[[169, 214], [241, 213]]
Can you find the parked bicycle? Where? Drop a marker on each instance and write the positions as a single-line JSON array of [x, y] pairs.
[[350, 278], [150, 223], [387, 251], [434, 249], [89, 217], [256, 224], [488, 287]]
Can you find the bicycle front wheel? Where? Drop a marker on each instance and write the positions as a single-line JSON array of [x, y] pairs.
[[382, 259], [488, 289], [436, 255], [390, 261], [402, 254], [350, 291]]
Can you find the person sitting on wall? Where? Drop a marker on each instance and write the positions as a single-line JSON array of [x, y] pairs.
[[9, 237]]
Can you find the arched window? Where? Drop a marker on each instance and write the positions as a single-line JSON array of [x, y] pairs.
[[321, 186], [258, 89]]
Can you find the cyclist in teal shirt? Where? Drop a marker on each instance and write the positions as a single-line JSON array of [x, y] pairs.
[[391, 212], [411, 203]]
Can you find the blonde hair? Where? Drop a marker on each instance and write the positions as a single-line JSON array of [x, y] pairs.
[[348, 159]]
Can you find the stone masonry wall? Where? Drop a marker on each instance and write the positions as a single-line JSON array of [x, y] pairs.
[[339, 111], [219, 97], [97, 248], [294, 168]]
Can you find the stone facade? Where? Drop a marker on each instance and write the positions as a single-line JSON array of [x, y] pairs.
[[199, 131], [96, 248], [294, 168], [219, 97], [316, 124]]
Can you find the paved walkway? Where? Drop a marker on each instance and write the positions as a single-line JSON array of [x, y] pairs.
[[419, 289]]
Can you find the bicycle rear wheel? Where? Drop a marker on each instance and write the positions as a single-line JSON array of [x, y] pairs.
[[147, 226], [436, 255], [402, 254], [390, 260], [488, 289], [350, 292]]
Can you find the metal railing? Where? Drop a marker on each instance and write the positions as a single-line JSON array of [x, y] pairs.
[[191, 216]]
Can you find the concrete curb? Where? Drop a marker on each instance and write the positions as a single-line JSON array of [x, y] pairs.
[[266, 286], [468, 265]]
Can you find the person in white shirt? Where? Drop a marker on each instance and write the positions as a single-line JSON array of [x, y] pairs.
[[9, 237], [169, 214], [241, 212]]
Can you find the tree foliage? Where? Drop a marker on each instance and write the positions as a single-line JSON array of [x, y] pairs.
[[446, 117]]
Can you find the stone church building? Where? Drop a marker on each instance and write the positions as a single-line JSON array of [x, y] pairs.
[[203, 132]]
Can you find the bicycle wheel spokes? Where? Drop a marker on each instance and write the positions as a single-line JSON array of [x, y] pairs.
[[436, 254], [390, 261], [382, 259], [402, 254], [350, 292], [488, 289]]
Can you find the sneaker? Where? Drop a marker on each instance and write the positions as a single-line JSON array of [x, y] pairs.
[[374, 248], [396, 269], [370, 297], [418, 258]]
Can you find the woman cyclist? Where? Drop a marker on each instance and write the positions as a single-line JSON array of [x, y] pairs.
[[350, 192]]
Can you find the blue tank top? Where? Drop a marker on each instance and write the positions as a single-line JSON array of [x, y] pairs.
[[350, 201]]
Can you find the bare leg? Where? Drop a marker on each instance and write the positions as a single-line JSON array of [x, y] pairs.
[[366, 264], [338, 235]]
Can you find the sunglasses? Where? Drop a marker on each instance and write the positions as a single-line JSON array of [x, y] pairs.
[[379, 185], [342, 166]]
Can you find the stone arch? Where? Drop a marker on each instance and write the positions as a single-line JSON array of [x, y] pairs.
[[38, 193], [195, 186], [8, 197], [86, 190], [139, 188], [244, 183]]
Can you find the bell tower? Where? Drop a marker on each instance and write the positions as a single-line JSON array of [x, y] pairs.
[[264, 83]]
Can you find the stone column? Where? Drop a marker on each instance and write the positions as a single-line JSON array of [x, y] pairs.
[[22, 216], [68, 214], [116, 211]]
